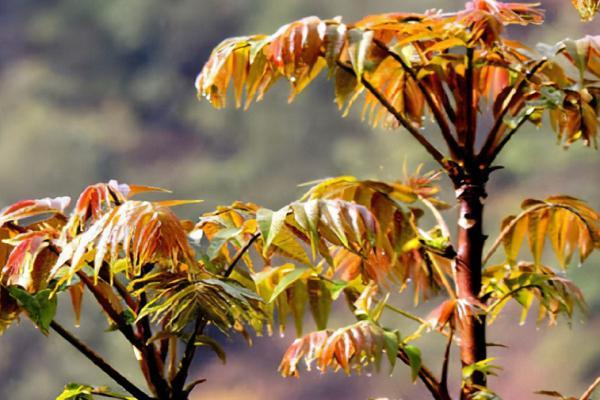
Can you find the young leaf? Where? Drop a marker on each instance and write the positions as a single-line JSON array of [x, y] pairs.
[[203, 340], [414, 358], [40, 307], [270, 224], [350, 348]]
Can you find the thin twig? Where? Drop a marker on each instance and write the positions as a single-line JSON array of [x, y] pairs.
[[506, 230], [97, 360], [435, 153], [180, 377], [471, 128], [505, 139], [431, 102], [444, 376], [150, 353], [437, 215], [118, 319], [492, 136], [240, 254], [588, 393], [155, 378], [508, 295], [406, 314], [425, 375]]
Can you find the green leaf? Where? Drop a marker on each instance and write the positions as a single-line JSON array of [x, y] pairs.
[[39, 306], [76, 391], [203, 340], [392, 344], [345, 85], [233, 289], [307, 215], [297, 299], [414, 359], [219, 240], [287, 281], [336, 288], [484, 366], [270, 224]]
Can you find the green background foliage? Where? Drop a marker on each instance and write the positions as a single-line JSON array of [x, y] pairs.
[[93, 90]]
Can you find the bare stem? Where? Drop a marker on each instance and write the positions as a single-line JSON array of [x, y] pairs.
[[471, 128], [97, 360], [431, 102], [492, 136], [444, 376], [240, 254], [434, 152], [588, 393], [426, 376], [178, 381]]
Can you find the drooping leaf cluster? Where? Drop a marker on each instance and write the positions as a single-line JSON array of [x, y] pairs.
[[420, 62]]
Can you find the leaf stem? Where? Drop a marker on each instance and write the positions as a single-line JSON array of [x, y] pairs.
[[471, 127], [155, 379], [431, 102], [406, 314], [240, 254], [426, 376], [99, 362], [444, 376], [178, 381], [588, 393], [492, 136], [434, 152]]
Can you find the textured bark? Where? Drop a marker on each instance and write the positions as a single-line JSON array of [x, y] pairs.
[[468, 275]]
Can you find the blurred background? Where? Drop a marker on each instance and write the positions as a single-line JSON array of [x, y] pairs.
[[99, 89]]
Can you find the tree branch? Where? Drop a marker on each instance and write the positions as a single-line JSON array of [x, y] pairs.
[[444, 376], [240, 254], [104, 303], [431, 102], [426, 377], [435, 153], [588, 393], [471, 128], [180, 377], [492, 136], [505, 139], [97, 360], [155, 378], [150, 354]]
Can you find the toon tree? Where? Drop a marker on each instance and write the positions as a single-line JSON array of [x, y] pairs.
[[167, 285], [479, 88]]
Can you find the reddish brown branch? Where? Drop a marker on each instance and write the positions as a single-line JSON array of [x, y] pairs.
[[470, 108]]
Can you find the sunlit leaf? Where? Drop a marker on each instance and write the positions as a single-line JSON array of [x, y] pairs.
[[351, 349]]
